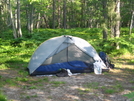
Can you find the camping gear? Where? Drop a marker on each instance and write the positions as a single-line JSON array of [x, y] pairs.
[[89, 69], [97, 68], [106, 60], [62, 73], [65, 51], [69, 72]]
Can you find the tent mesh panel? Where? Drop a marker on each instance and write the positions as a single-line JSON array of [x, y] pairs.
[[71, 53]]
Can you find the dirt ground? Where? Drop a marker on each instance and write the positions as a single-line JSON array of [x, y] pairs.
[[109, 86]]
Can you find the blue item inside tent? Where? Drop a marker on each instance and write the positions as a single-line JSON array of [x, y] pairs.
[[74, 66]]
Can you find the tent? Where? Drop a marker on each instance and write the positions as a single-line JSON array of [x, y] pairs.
[[65, 51]]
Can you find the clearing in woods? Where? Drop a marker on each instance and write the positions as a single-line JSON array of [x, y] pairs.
[[110, 86]]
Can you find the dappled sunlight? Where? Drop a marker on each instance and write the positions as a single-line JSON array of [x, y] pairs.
[[125, 92], [124, 64], [116, 71], [119, 79], [74, 87], [127, 56], [73, 97], [6, 72], [37, 92], [12, 93]]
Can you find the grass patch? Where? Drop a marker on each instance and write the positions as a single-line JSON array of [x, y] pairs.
[[83, 91], [38, 82], [46, 79], [10, 82], [131, 81], [57, 83], [3, 97], [33, 87], [3, 66], [111, 89], [92, 85], [88, 87], [22, 79]]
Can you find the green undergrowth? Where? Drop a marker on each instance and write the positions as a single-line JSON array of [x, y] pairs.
[[2, 97], [16, 53], [93, 86], [19, 50], [130, 96]]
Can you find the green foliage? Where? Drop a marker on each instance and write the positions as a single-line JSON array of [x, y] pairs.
[[126, 45], [57, 83], [130, 96], [10, 82], [2, 97], [33, 87], [92, 85], [117, 87], [18, 51], [3, 66], [83, 91], [109, 91], [22, 79], [46, 79]]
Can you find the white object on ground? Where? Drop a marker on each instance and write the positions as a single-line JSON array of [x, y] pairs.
[[69, 72], [97, 68]]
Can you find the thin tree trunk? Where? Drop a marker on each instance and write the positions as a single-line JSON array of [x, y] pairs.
[[31, 18], [72, 13], [19, 32], [15, 20], [13, 24], [105, 26], [64, 14], [83, 13], [30, 13], [54, 14], [27, 17], [12, 20], [38, 21], [117, 25], [59, 15], [131, 23], [45, 20]]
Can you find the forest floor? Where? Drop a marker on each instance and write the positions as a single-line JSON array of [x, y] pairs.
[[109, 86]]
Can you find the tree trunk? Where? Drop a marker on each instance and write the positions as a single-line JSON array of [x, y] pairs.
[[131, 23], [12, 20], [31, 18], [59, 14], [38, 21], [64, 14], [72, 18], [30, 13], [19, 32], [45, 20], [105, 16], [5, 21], [114, 18], [117, 23], [83, 13], [54, 14]]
